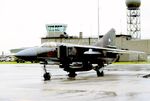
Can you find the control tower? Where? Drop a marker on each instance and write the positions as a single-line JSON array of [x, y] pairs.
[[56, 30], [133, 18]]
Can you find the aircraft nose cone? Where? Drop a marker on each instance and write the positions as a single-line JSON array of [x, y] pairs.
[[29, 54], [26, 52]]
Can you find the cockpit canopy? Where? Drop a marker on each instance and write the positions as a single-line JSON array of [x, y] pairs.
[[49, 44]]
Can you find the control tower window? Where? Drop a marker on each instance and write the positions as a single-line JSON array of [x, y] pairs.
[[56, 28]]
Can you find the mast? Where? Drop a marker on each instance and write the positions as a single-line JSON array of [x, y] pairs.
[[98, 19]]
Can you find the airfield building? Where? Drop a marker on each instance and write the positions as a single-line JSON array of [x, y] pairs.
[[140, 48]]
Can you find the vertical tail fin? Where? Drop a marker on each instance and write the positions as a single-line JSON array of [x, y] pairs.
[[108, 40]]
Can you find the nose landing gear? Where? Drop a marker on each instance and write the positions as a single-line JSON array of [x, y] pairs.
[[46, 75]]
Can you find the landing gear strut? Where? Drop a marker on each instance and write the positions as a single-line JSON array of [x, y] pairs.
[[46, 75]]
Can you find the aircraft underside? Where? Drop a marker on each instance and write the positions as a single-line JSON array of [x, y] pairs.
[[81, 62]]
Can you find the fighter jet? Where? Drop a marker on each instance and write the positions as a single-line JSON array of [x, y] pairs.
[[74, 58]]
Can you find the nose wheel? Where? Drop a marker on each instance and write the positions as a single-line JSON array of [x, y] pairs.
[[46, 75]]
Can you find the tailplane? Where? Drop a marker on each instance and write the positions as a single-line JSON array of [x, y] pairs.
[[108, 40]]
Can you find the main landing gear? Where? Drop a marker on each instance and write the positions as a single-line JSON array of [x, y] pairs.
[[72, 75], [100, 74], [46, 75], [72, 71], [66, 66], [99, 70]]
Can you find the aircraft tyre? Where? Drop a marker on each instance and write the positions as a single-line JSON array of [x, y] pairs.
[[47, 76], [72, 74], [100, 74]]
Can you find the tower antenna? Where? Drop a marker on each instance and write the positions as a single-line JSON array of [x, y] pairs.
[[98, 19]]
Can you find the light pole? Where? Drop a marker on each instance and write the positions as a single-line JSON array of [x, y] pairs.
[[98, 19]]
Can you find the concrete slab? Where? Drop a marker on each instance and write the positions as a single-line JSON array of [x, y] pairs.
[[24, 82]]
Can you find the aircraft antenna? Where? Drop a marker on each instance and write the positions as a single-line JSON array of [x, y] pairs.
[[98, 19]]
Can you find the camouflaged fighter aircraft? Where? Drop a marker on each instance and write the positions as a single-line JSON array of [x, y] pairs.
[[75, 58]]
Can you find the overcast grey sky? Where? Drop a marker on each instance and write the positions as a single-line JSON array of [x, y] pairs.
[[22, 22]]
